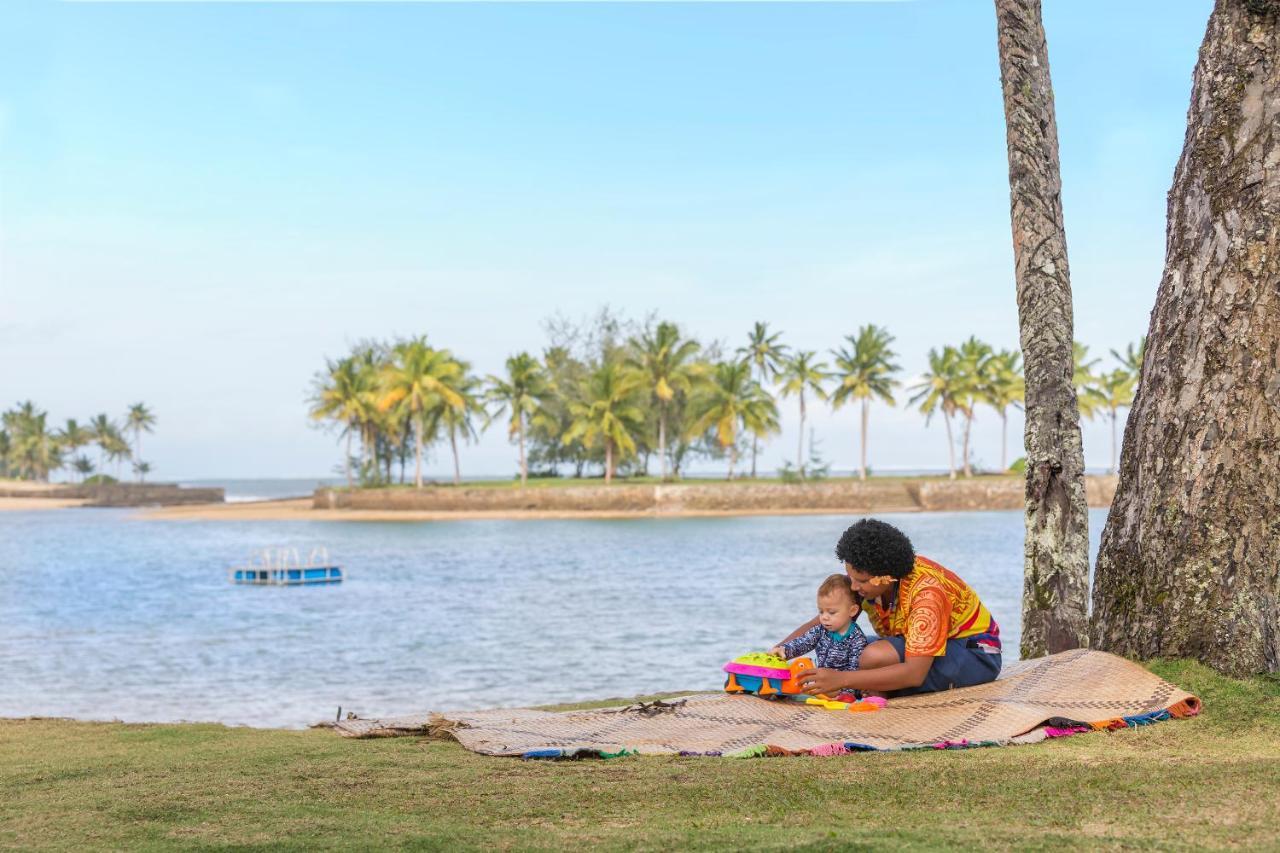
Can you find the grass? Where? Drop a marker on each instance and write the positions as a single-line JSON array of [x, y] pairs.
[[1206, 782]]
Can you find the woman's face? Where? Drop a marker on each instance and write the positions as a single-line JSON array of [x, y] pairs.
[[866, 586]]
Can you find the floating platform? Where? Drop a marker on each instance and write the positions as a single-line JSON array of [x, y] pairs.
[[283, 567]]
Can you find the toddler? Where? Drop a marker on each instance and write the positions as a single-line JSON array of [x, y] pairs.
[[836, 641]]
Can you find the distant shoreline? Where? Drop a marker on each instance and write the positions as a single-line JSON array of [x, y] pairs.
[[619, 501]]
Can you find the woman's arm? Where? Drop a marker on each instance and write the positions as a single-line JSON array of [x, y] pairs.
[[910, 673]]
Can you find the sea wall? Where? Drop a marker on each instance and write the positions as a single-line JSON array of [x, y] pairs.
[[982, 493], [119, 494]]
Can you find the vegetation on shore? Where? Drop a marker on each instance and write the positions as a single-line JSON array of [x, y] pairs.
[[1183, 783], [31, 448], [618, 397]]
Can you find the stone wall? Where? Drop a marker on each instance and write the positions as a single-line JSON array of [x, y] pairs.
[[983, 493], [121, 494]]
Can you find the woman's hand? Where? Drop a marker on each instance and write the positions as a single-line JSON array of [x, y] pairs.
[[825, 681]]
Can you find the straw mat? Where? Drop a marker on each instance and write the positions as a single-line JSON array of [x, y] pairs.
[[1062, 694]]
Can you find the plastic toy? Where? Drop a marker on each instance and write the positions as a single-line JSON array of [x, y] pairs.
[[768, 675]]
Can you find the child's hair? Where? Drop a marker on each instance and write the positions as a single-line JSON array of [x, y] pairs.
[[837, 582]]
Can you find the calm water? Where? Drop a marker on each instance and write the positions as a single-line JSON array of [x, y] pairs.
[[104, 616]]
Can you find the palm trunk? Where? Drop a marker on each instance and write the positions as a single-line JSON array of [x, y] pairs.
[[733, 458], [137, 447], [1187, 564], [951, 445], [347, 459], [662, 439], [800, 449], [754, 442], [964, 458], [1004, 441], [417, 454], [457, 468], [1056, 564], [524, 466], [608, 462], [865, 406]]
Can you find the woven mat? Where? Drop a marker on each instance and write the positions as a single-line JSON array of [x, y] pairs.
[[1065, 693]]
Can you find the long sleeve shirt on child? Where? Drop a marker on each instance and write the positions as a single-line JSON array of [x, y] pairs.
[[830, 651]]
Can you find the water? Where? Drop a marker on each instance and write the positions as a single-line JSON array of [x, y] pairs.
[[106, 616]]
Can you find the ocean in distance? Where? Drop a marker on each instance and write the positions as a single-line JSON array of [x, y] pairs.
[[105, 616]]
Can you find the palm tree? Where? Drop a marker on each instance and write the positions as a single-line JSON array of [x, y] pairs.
[[938, 390], [142, 469], [139, 419], [340, 395], [416, 382], [1084, 380], [1004, 387], [799, 374], [975, 365], [1114, 391], [521, 393], [765, 353], [457, 417], [102, 429], [82, 466], [116, 448], [609, 412], [34, 451], [730, 402], [667, 363], [865, 371]]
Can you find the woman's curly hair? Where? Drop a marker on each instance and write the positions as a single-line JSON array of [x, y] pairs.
[[876, 548]]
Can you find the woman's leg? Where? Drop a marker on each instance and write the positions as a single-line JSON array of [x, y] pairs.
[[878, 654]]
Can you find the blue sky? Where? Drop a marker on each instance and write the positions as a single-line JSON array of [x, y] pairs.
[[199, 202]]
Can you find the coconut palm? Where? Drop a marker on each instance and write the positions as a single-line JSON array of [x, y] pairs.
[[731, 402], [141, 469], [1004, 387], [459, 416], [1114, 391], [140, 419], [1133, 357], [938, 390], [765, 353], [34, 449], [103, 429], [975, 365], [610, 412], [82, 466], [522, 393], [864, 371], [341, 394], [414, 384], [1084, 380], [72, 436], [116, 448], [800, 373], [666, 360]]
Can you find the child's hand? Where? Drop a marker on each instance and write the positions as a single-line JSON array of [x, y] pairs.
[[777, 651]]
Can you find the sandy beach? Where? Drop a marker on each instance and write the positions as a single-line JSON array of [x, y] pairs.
[[23, 504]]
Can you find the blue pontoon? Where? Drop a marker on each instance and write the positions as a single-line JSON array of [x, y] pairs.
[[283, 567]]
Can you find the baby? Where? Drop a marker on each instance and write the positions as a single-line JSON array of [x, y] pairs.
[[836, 641]]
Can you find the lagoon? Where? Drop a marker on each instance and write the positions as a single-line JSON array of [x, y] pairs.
[[107, 616]]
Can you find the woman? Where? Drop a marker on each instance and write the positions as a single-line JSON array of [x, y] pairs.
[[934, 632]]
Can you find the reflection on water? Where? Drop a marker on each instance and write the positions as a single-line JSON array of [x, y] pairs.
[[106, 616]]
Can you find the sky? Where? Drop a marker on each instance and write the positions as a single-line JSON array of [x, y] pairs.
[[201, 202]]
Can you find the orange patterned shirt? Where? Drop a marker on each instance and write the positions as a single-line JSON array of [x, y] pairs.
[[931, 607]]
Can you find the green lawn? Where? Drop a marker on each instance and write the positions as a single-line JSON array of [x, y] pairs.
[[559, 482], [1209, 782]]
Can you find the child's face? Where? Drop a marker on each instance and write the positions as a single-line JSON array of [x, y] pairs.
[[836, 611]]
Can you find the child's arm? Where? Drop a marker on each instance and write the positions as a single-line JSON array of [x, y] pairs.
[[798, 646]]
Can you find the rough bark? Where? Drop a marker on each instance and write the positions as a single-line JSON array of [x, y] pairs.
[[1190, 559], [1056, 567]]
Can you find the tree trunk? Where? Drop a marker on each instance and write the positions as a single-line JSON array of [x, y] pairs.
[[754, 441], [608, 461], [1112, 469], [800, 449], [951, 445], [417, 454], [733, 458], [662, 439], [137, 447], [347, 459], [1056, 569], [1004, 441], [457, 468], [524, 465], [1189, 555], [964, 455], [866, 404]]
